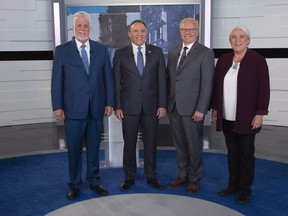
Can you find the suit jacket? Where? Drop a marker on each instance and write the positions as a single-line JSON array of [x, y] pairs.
[[253, 90], [73, 90], [133, 92], [190, 89]]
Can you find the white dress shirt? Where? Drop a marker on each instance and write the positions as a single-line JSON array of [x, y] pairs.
[[135, 51], [87, 48]]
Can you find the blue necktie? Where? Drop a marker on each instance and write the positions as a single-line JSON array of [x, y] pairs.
[[85, 58], [182, 59], [140, 61]]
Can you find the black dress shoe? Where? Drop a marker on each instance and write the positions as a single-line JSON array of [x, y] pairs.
[[126, 184], [73, 193], [243, 198], [228, 191], [155, 183], [99, 189]]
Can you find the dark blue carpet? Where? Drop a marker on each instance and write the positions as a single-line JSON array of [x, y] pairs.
[[35, 185]]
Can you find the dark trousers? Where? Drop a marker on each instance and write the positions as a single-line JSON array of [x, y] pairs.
[[130, 129], [241, 159], [77, 131], [187, 138]]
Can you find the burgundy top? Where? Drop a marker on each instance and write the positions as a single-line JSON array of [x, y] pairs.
[[253, 90]]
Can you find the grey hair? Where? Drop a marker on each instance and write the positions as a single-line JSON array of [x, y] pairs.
[[82, 14], [245, 30], [195, 22]]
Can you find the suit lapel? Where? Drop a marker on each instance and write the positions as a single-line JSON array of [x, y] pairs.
[[190, 54], [193, 51], [75, 51], [131, 59], [93, 58], [148, 55], [178, 53], [77, 56]]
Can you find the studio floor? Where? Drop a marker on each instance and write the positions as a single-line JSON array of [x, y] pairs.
[[37, 141], [271, 143]]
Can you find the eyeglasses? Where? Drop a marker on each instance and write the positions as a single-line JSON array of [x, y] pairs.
[[189, 30]]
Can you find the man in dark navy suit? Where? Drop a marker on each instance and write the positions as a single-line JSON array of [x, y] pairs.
[[82, 93], [140, 92]]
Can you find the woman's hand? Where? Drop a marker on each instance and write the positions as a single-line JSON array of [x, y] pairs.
[[257, 121], [214, 116]]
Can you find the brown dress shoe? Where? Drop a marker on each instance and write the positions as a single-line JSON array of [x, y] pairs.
[[193, 187], [177, 182]]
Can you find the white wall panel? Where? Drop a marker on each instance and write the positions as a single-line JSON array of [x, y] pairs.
[[27, 36], [25, 71], [14, 96], [18, 5], [278, 108], [274, 42], [10, 118], [25, 92], [265, 21], [23, 45], [279, 118], [277, 95], [279, 84], [26, 25], [278, 78], [33, 102], [25, 85], [19, 85], [233, 11], [271, 118]]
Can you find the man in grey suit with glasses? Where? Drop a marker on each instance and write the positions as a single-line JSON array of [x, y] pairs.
[[190, 77]]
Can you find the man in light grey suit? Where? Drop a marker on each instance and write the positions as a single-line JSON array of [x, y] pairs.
[[140, 100], [190, 73]]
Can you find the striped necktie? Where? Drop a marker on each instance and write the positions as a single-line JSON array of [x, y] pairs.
[[182, 59]]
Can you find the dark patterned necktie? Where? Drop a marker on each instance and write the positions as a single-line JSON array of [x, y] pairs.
[[84, 58], [182, 59]]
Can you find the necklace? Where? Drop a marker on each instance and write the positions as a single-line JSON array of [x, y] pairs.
[[235, 65]]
